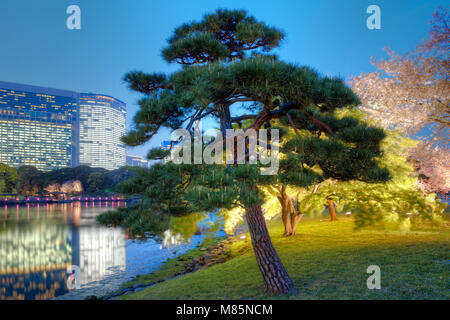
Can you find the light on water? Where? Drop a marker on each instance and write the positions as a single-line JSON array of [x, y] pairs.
[[38, 243]]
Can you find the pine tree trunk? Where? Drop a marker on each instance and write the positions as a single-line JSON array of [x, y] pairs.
[[276, 278], [225, 119], [333, 216]]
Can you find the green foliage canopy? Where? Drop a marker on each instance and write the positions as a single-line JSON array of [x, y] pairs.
[[8, 178], [223, 35]]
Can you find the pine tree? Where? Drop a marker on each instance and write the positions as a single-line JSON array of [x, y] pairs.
[[217, 73]]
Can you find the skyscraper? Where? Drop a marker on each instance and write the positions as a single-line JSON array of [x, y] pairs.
[[38, 126], [50, 128], [102, 123]]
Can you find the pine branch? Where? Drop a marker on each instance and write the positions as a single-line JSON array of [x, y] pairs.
[[318, 122], [293, 125]]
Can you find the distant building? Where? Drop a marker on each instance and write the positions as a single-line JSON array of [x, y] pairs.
[[136, 161], [51, 128], [102, 124]]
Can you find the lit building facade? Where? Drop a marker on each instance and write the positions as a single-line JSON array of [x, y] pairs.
[[38, 126], [136, 161], [102, 124], [51, 129]]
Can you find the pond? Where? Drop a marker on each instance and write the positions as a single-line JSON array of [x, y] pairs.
[[38, 243]]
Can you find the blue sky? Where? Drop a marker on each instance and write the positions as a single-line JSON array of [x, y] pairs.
[[118, 36]]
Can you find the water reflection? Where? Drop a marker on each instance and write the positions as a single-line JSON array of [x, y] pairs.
[[33, 261], [39, 242], [98, 251]]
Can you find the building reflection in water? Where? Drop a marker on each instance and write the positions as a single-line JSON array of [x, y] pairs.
[[97, 250], [171, 239], [36, 249]]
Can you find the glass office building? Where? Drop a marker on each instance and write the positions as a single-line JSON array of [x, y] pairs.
[[51, 129], [102, 123], [38, 126]]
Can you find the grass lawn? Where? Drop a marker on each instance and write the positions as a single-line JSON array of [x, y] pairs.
[[326, 260]]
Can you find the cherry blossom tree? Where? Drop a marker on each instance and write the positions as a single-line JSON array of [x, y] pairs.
[[439, 33], [67, 187], [51, 188], [433, 167], [411, 93], [72, 187]]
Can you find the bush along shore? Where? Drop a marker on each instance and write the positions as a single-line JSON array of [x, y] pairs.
[[195, 259]]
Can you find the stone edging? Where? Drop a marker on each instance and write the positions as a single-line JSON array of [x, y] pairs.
[[212, 255]]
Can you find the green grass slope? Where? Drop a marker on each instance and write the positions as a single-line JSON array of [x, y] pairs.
[[327, 260]]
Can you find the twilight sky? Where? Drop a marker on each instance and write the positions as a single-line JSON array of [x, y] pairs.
[[118, 36]]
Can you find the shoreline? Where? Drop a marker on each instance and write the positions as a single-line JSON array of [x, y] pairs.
[[27, 201], [199, 258]]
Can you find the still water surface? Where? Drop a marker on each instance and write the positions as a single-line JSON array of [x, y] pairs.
[[39, 243]]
